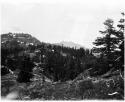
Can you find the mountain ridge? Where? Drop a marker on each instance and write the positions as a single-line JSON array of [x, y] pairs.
[[23, 39], [27, 39]]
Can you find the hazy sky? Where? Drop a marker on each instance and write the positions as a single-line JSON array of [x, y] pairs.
[[59, 20]]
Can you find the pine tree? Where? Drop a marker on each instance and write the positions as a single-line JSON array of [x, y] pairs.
[[120, 32], [26, 70], [106, 44], [120, 36]]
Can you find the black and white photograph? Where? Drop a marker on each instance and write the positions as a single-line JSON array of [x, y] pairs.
[[62, 50]]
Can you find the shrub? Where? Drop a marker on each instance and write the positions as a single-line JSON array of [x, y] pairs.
[[85, 85]]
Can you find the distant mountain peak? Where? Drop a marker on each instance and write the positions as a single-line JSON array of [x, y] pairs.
[[69, 44]]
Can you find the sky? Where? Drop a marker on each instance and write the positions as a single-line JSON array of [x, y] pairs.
[[54, 21]]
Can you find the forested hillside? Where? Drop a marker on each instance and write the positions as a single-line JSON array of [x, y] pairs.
[[59, 62]]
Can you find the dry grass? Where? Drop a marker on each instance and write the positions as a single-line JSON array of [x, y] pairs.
[[91, 88]]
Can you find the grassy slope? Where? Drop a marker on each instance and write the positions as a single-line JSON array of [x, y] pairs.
[[86, 88]]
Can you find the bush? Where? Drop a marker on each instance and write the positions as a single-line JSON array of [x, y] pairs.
[[85, 85]]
